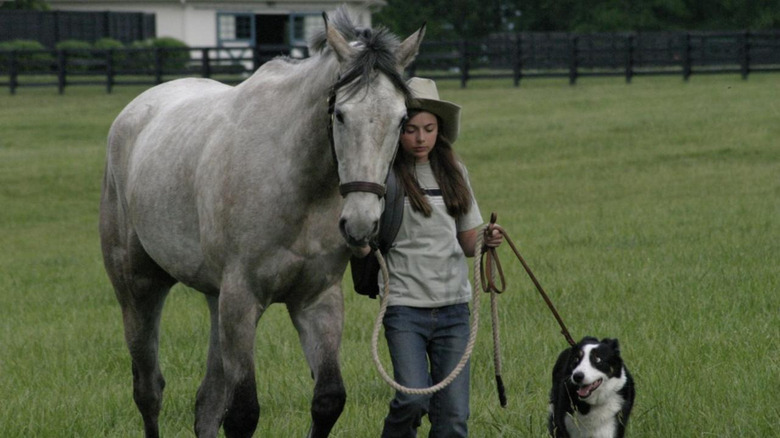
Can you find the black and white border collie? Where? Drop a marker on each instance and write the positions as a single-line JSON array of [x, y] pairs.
[[592, 392]]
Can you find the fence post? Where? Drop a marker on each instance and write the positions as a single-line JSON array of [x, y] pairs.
[[745, 61], [205, 63], [573, 53], [109, 70], [464, 63], [158, 65], [687, 57], [14, 75], [517, 59], [413, 69], [61, 70], [257, 60], [629, 58]]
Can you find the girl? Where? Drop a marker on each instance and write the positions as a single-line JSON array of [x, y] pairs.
[[427, 319]]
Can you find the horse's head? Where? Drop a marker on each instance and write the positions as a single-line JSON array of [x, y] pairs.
[[368, 108]]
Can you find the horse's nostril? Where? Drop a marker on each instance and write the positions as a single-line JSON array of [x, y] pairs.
[[375, 228]]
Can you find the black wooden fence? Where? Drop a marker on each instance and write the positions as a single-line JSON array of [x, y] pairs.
[[531, 54], [517, 56], [51, 27], [132, 66]]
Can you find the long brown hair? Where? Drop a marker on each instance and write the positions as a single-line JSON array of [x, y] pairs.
[[447, 172]]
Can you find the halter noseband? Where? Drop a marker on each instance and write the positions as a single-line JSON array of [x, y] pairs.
[[352, 186]]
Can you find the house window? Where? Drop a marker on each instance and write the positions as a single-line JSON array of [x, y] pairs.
[[304, 26], [243, 27], [235, 28]]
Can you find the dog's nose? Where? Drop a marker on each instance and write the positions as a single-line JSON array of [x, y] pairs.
[[577, 377]]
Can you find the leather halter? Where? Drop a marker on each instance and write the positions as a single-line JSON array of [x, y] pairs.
[[352, 186]]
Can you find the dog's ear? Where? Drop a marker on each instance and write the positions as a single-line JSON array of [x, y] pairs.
[[612, 343]]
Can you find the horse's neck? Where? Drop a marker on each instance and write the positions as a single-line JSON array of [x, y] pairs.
[[300, 91]]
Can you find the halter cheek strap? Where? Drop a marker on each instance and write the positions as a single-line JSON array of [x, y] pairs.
[[352, 186]]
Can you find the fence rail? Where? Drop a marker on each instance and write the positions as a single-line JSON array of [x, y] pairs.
[[517, 56]]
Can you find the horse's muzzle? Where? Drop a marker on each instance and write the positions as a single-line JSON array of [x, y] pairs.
[[357, 239], [359, 220]]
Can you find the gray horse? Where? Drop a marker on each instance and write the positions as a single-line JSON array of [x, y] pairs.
[[238, 192]]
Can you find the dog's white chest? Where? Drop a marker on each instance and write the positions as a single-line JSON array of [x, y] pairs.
[[601, 421]]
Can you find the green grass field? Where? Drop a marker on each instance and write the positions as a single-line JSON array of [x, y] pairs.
[[650, 212]]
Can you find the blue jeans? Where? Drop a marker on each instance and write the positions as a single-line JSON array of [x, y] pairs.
[[416, 336]]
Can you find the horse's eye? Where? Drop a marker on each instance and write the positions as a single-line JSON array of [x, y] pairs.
[[339, 116]]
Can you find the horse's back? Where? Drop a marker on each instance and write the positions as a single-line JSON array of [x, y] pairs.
[[154, 102]]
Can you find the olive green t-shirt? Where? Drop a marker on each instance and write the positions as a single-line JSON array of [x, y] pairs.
[[426, 264]]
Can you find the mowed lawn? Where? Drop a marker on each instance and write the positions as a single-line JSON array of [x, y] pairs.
[[650, 212]]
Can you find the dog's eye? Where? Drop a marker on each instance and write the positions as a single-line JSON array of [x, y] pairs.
[[596, 359]]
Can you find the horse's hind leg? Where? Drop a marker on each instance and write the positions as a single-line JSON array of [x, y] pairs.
[[141, 287], [142, 323], [210, 403], [319, 326], [141, 294]]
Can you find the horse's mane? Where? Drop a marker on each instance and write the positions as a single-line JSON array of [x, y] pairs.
[[376, 52]]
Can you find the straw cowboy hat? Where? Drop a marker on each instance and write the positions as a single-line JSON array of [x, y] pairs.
[[425, 97]]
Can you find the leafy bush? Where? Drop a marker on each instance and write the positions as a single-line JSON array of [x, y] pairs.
[[108, 43], [119, 56], [40, 60], [173, 54], [79, 54], [75, 45]]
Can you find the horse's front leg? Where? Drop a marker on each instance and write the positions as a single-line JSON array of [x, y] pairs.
[[239, 311], [319, 324]]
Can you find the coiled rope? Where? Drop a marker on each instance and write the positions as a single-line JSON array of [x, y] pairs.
[[472, 332], [483, 282]]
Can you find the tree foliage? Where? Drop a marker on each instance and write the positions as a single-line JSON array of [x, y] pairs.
[[476, 18], [35, 5]]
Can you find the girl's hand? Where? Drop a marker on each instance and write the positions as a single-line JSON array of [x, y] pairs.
[[360, 251], [493, 236]]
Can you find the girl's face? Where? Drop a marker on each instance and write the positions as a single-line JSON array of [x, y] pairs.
[[419, 136]]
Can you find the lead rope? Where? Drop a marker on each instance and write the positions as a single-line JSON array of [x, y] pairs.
[[472, 333]]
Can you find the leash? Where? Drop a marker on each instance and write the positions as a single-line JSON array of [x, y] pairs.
[[491, 264], [489, 284]]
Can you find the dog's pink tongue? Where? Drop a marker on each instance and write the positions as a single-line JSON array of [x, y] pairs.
[[585, 391]]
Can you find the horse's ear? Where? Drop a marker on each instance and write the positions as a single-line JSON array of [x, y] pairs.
[[336, 41], [409, 49]]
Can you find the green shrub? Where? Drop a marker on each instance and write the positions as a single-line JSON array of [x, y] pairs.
[[79, 54], [173, 56], [75, 45], [119, 56], [32, 56], [108, 43]]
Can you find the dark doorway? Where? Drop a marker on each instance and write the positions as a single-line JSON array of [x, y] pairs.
[[271, 29]]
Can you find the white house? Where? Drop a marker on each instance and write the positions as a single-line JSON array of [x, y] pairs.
[[209, 23]]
